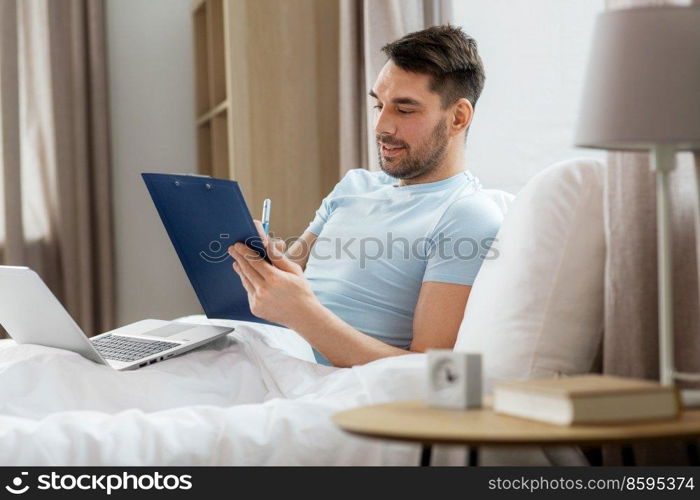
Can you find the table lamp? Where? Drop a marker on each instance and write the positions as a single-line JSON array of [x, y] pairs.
[[642, 93]]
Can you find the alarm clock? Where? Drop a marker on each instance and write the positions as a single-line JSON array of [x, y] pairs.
[[454, 379]]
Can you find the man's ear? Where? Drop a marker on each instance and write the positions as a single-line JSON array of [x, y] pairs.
[[462, 114]]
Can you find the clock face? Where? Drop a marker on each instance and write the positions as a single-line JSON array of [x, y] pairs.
[[445, 374]]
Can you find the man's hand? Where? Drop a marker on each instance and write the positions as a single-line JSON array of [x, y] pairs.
[[269, 239], [277, 292]]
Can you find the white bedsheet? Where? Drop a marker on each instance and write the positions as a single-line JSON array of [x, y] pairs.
[[253, 397]]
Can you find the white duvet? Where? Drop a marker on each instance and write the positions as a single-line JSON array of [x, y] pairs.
[[254, 397]]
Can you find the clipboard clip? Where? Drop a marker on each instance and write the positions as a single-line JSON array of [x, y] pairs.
[[209, 186]]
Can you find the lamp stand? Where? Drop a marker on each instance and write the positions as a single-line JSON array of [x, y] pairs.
[[663, 162]]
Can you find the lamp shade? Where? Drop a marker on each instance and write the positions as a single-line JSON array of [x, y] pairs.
[[642, 85]]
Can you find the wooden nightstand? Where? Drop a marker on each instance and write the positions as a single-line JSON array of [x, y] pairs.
[[413, 421]]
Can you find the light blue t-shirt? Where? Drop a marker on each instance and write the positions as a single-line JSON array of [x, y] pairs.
[[378, 242]]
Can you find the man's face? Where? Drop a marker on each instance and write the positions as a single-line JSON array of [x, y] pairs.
[[410, 126]]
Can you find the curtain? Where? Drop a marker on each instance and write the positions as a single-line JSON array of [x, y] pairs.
[[54, 152], [630, 343], [365, 27]]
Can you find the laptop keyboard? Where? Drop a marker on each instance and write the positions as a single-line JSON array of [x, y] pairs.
[[120, 348]]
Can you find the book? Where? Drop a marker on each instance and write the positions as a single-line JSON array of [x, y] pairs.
[[587, 399]]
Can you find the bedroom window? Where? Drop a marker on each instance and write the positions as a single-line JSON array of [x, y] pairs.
[[535, 54]]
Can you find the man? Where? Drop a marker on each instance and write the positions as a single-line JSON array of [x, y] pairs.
[[423, 218]]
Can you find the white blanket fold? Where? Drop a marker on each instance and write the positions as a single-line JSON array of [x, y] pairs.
[[255, 397]]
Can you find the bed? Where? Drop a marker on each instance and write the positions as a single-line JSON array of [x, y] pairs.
[[257, 397], [254, 397]]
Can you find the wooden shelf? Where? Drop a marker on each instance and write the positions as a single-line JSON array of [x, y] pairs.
[[196, 4], [201, 58], [279, 57], [222, 106], [210, 86], [204, 149], [217, 61], [219, 143]]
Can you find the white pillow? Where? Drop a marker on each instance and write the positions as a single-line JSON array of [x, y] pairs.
[[536, 309], [503, 199]]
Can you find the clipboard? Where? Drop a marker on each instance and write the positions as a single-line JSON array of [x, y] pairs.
[[203, 216]]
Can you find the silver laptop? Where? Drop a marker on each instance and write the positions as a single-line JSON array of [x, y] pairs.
[[31, 314]]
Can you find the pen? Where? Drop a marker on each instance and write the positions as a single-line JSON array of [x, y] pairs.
[[266, 214]]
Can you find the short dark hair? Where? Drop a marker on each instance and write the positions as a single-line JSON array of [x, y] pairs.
[[448, 55]]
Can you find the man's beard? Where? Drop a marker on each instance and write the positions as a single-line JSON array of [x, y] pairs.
[[425, 159]]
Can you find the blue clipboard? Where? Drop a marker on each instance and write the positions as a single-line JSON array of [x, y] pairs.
[[203, 217]]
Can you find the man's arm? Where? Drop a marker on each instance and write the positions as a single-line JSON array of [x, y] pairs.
[[280, 293], [438, 314], [436, 322]]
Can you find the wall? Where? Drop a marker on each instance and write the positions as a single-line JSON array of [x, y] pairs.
[[152, 130], [535, 55]]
